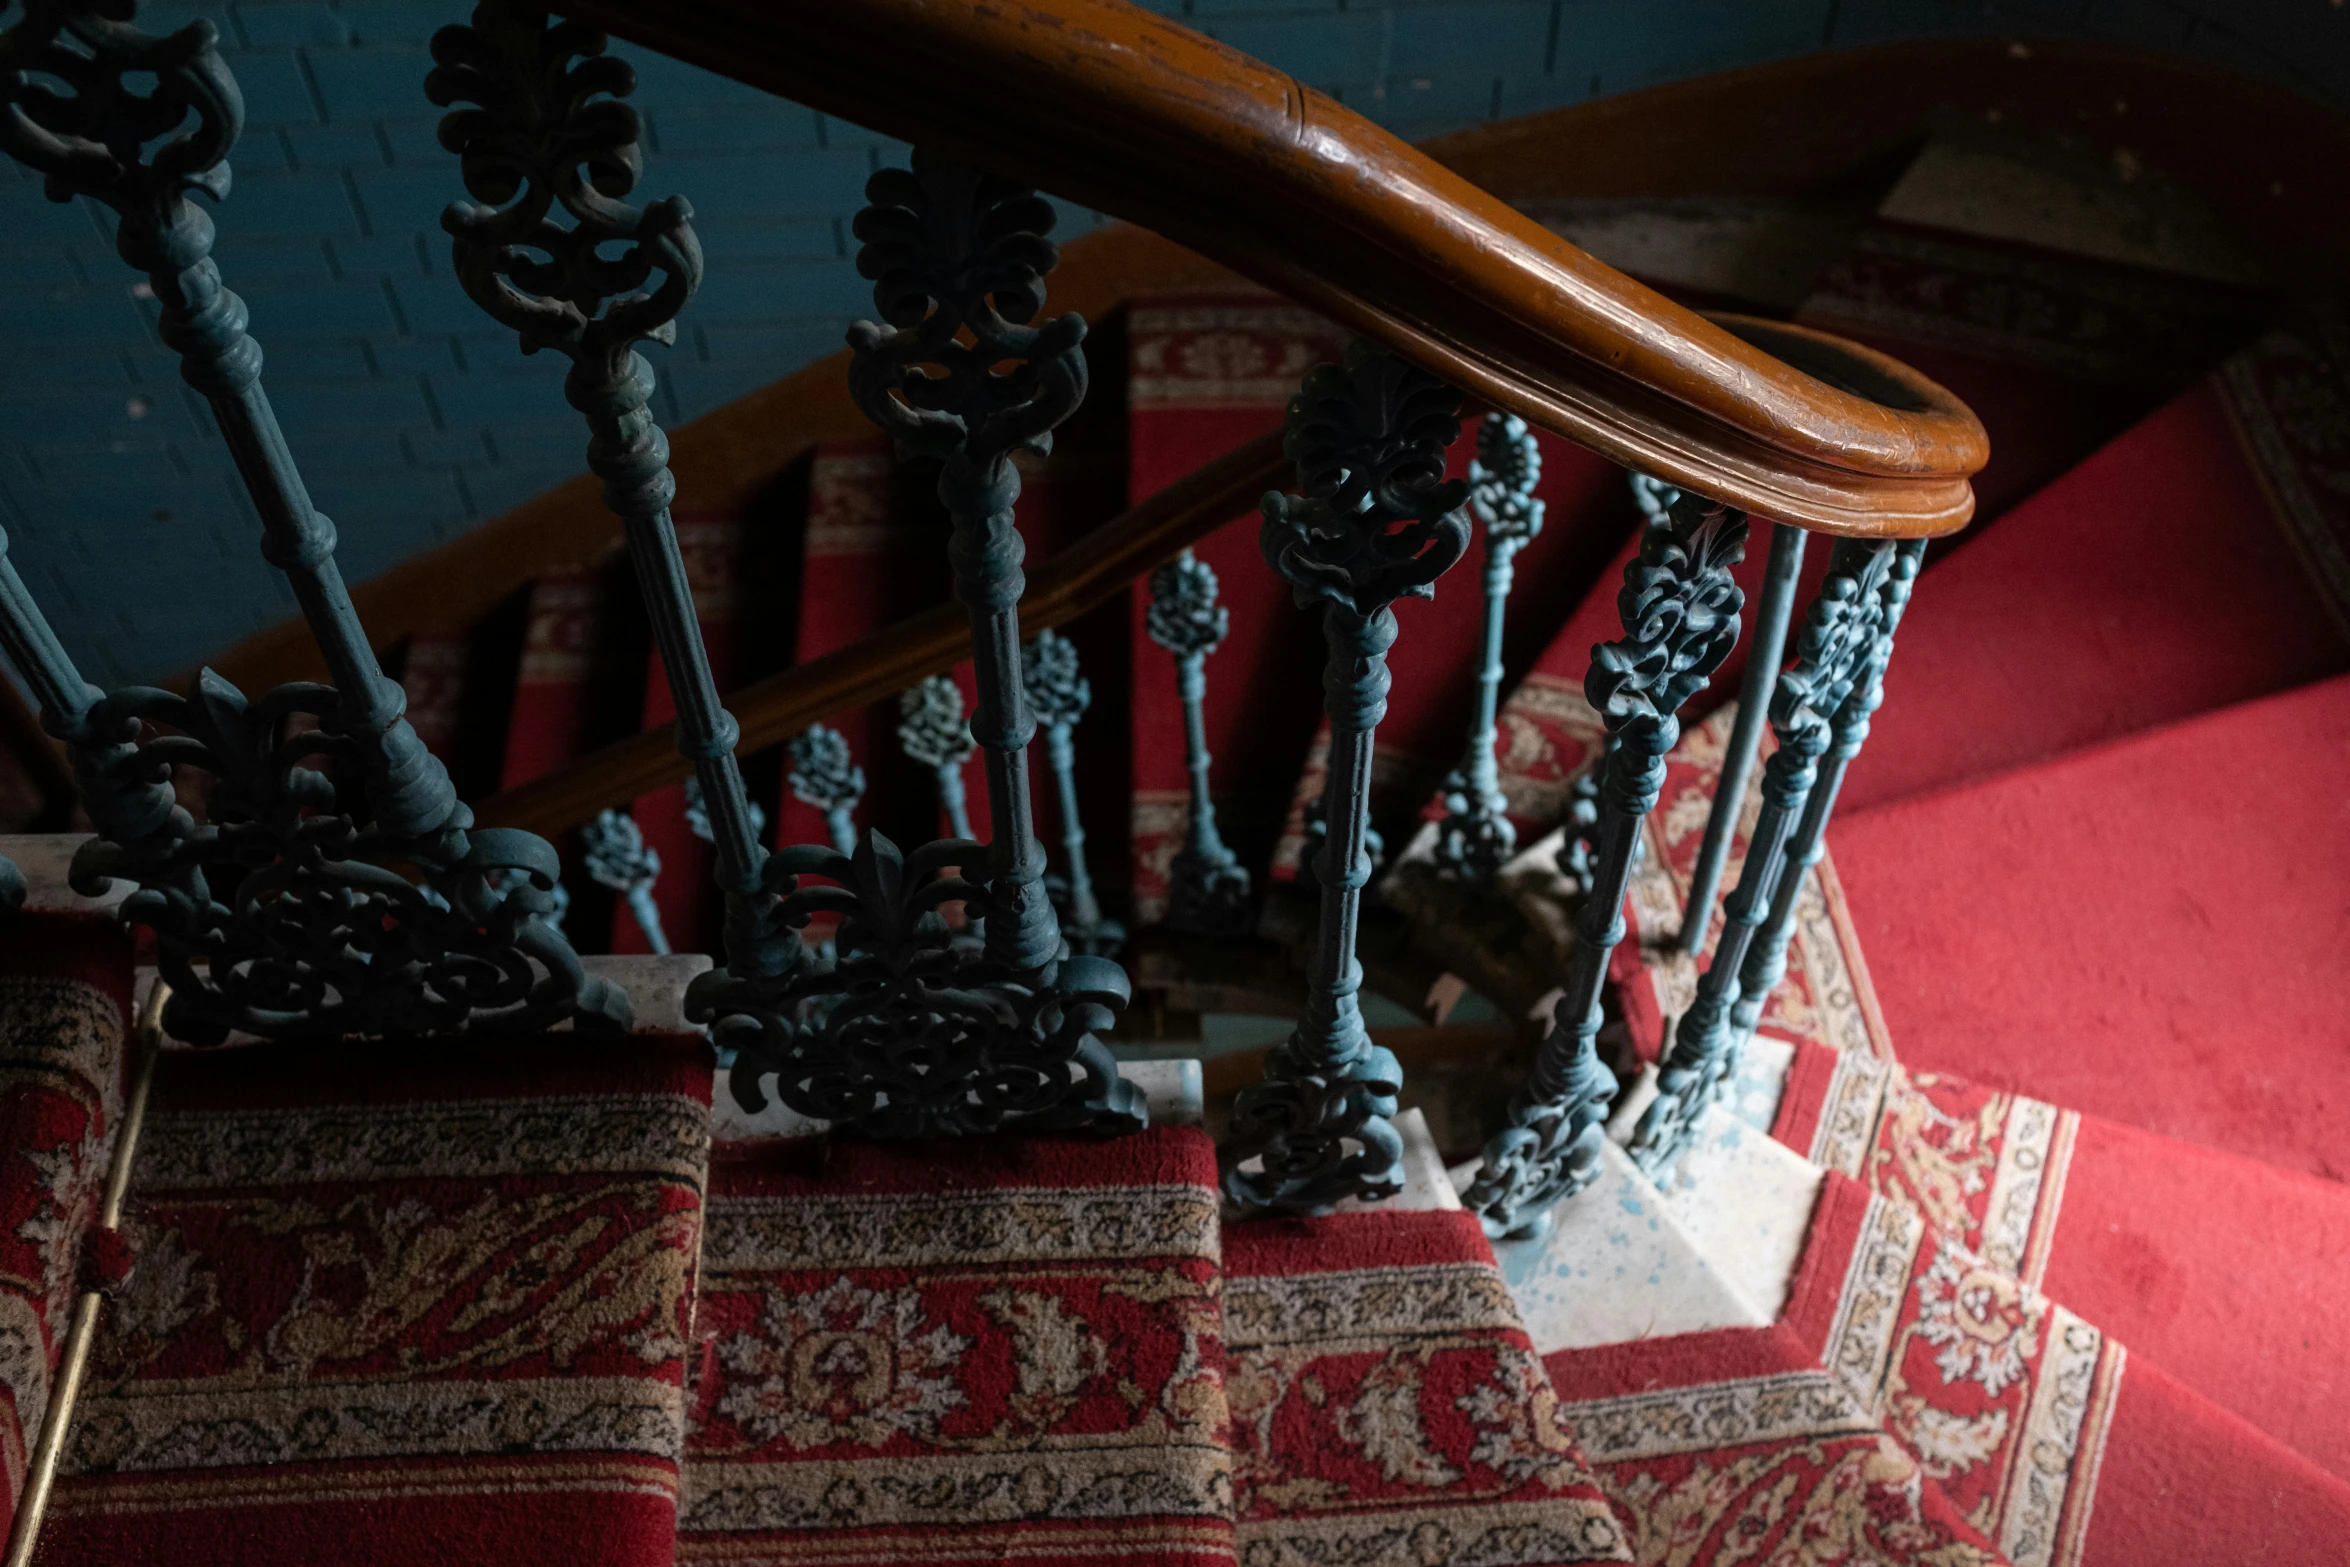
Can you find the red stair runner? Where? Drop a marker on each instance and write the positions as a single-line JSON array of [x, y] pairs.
[[1387, 1406], [2201, 559], [548, 721], [2023, 1429], [65, 1002], [399, 1303], [994, 1350]]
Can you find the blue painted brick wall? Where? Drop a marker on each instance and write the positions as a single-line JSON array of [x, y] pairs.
[[415, 419]]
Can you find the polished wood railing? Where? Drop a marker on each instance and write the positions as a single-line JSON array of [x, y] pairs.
[[1106, 104]]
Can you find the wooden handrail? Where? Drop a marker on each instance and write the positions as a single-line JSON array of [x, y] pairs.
[[770, 711], [1106, 104]]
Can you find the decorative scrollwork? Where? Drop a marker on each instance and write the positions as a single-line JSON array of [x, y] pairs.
[[281, 915], [1208, 890], [614, 852], [825, 775], [931, 726], [907, 1035], [1377, 521], [1821, 705], [1476, 836], [1058, 694], [1654, 497], [275, 917], [1679, 606]]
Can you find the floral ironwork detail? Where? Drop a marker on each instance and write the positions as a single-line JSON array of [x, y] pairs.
[[825, 775], [905, 1034], [1820, 713], [1476, 836], [614, 853], [1207, 887], [551, 248], [1680, 607], [1059, 695], [288, 913], [1377, 521], [909, 1031], [933, 731]]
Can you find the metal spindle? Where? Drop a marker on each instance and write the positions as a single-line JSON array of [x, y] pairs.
[[616, 855], [1059, 695], [521, 151], [330, 941], [823, 774], [1377, 521], [1680, 609], [933, 731], [1773, 612], [1819, 709], [1477, 836], [1208, 887]]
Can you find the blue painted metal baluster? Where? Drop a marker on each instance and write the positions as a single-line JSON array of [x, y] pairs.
[[548, 112], [328, 943], [823, 774], [1680, 613], [1772, 614], [1377, 521], [905, 1032], [1208, 887], [932, 731], [1059, 696], [617, 856], [1477, 836], [1819, 708], [697, 814]]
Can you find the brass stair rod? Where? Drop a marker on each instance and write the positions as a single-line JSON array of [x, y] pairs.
[[82, 1336]]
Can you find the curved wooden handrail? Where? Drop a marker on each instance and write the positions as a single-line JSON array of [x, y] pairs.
[[1106, 104], [770, 711]]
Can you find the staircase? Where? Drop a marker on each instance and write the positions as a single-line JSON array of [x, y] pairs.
[[2000, 1227]]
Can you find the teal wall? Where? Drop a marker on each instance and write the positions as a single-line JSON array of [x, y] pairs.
[[414, 421]]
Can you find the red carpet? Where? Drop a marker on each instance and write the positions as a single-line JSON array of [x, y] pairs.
[[2018, 1420], [432, 677], [2197, 561], [2197, 1260], [1003, 1350], [380, 1318], [65, 1001], [1206, 375], [2151, 932], [2057, 353], [1387, 1407]]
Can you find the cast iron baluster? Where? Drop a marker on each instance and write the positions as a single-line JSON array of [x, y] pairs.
[[1477, 836], [617, 856], [1680, 613], [1377, 521], [12, 887], [1208, 888], [908, 1032], [316, 940], [931, 730], [1654, 497], [823, 774], [697, 815], [1772, 615], [1059, 696], [551, 133], [1820, 707]]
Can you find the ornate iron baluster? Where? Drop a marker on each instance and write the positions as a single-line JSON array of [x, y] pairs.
[[932, 731], [1059, 696], [1477, 836], [617, 856], [12, 887], [697, 815], [1820, 708], [549, 133], [1377, 521], [1772, 615], [909, 1032], [1680, 612], [824, 775], [315, 938], [1208, 888]]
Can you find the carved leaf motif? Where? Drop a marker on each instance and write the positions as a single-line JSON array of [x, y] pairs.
[[1057, 694], [931, 726], [1503, 478], [1184, 617], [823, 773]]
